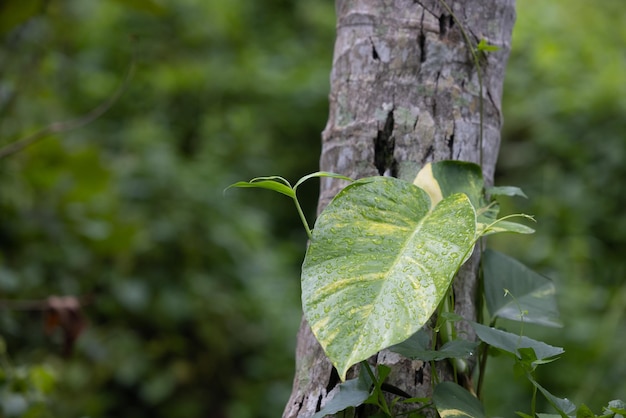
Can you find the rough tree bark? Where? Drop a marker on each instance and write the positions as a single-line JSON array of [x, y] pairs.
[[404, 92]]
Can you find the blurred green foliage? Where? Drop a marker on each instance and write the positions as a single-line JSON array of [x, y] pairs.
[[564, 143], [195, 295]]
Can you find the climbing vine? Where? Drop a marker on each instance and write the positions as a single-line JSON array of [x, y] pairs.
[[381, 261]]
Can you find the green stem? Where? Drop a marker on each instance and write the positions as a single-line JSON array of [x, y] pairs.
[[381, 401], [434, 374], [533, 402], [368, 368], [484, 355], [302, 217], [480, 317]]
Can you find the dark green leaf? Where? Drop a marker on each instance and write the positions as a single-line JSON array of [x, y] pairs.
[[416, 343], [415, 349], [506, 191], [445, 178], [453, 401], [563, 405], [451, 316], [351, 393], [513, 291], [511, 343]]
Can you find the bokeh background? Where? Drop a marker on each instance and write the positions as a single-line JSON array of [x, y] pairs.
[[191, 297]]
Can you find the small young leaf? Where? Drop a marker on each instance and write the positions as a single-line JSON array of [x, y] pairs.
[[505, 226], [616, 406], [451, 317], [485, 47], [321, 174], [583, 411], [454, 401], [266, 183], [506, 191]]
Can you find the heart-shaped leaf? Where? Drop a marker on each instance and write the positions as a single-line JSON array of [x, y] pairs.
[[513, 291], [379, 263]]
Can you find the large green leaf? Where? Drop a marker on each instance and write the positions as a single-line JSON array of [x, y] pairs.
[[513, 291], [379, 263]]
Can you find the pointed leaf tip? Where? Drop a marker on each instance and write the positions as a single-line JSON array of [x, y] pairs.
[[269, 183]]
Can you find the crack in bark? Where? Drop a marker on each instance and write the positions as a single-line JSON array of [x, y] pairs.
[[300, 404], [318, 407], [421, 39], [435, 94], [384, 146], [429, 152], [375, 55], [445, 23], [419, 376], [423, 6], [450, 141], [332, 380], [493, 103]]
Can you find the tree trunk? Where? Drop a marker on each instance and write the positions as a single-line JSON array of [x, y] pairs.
[[405, 91]]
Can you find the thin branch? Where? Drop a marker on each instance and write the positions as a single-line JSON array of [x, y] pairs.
[[68, 125], [43, 304]]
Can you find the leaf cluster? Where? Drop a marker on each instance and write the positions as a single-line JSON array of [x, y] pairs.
[[381, 261]]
